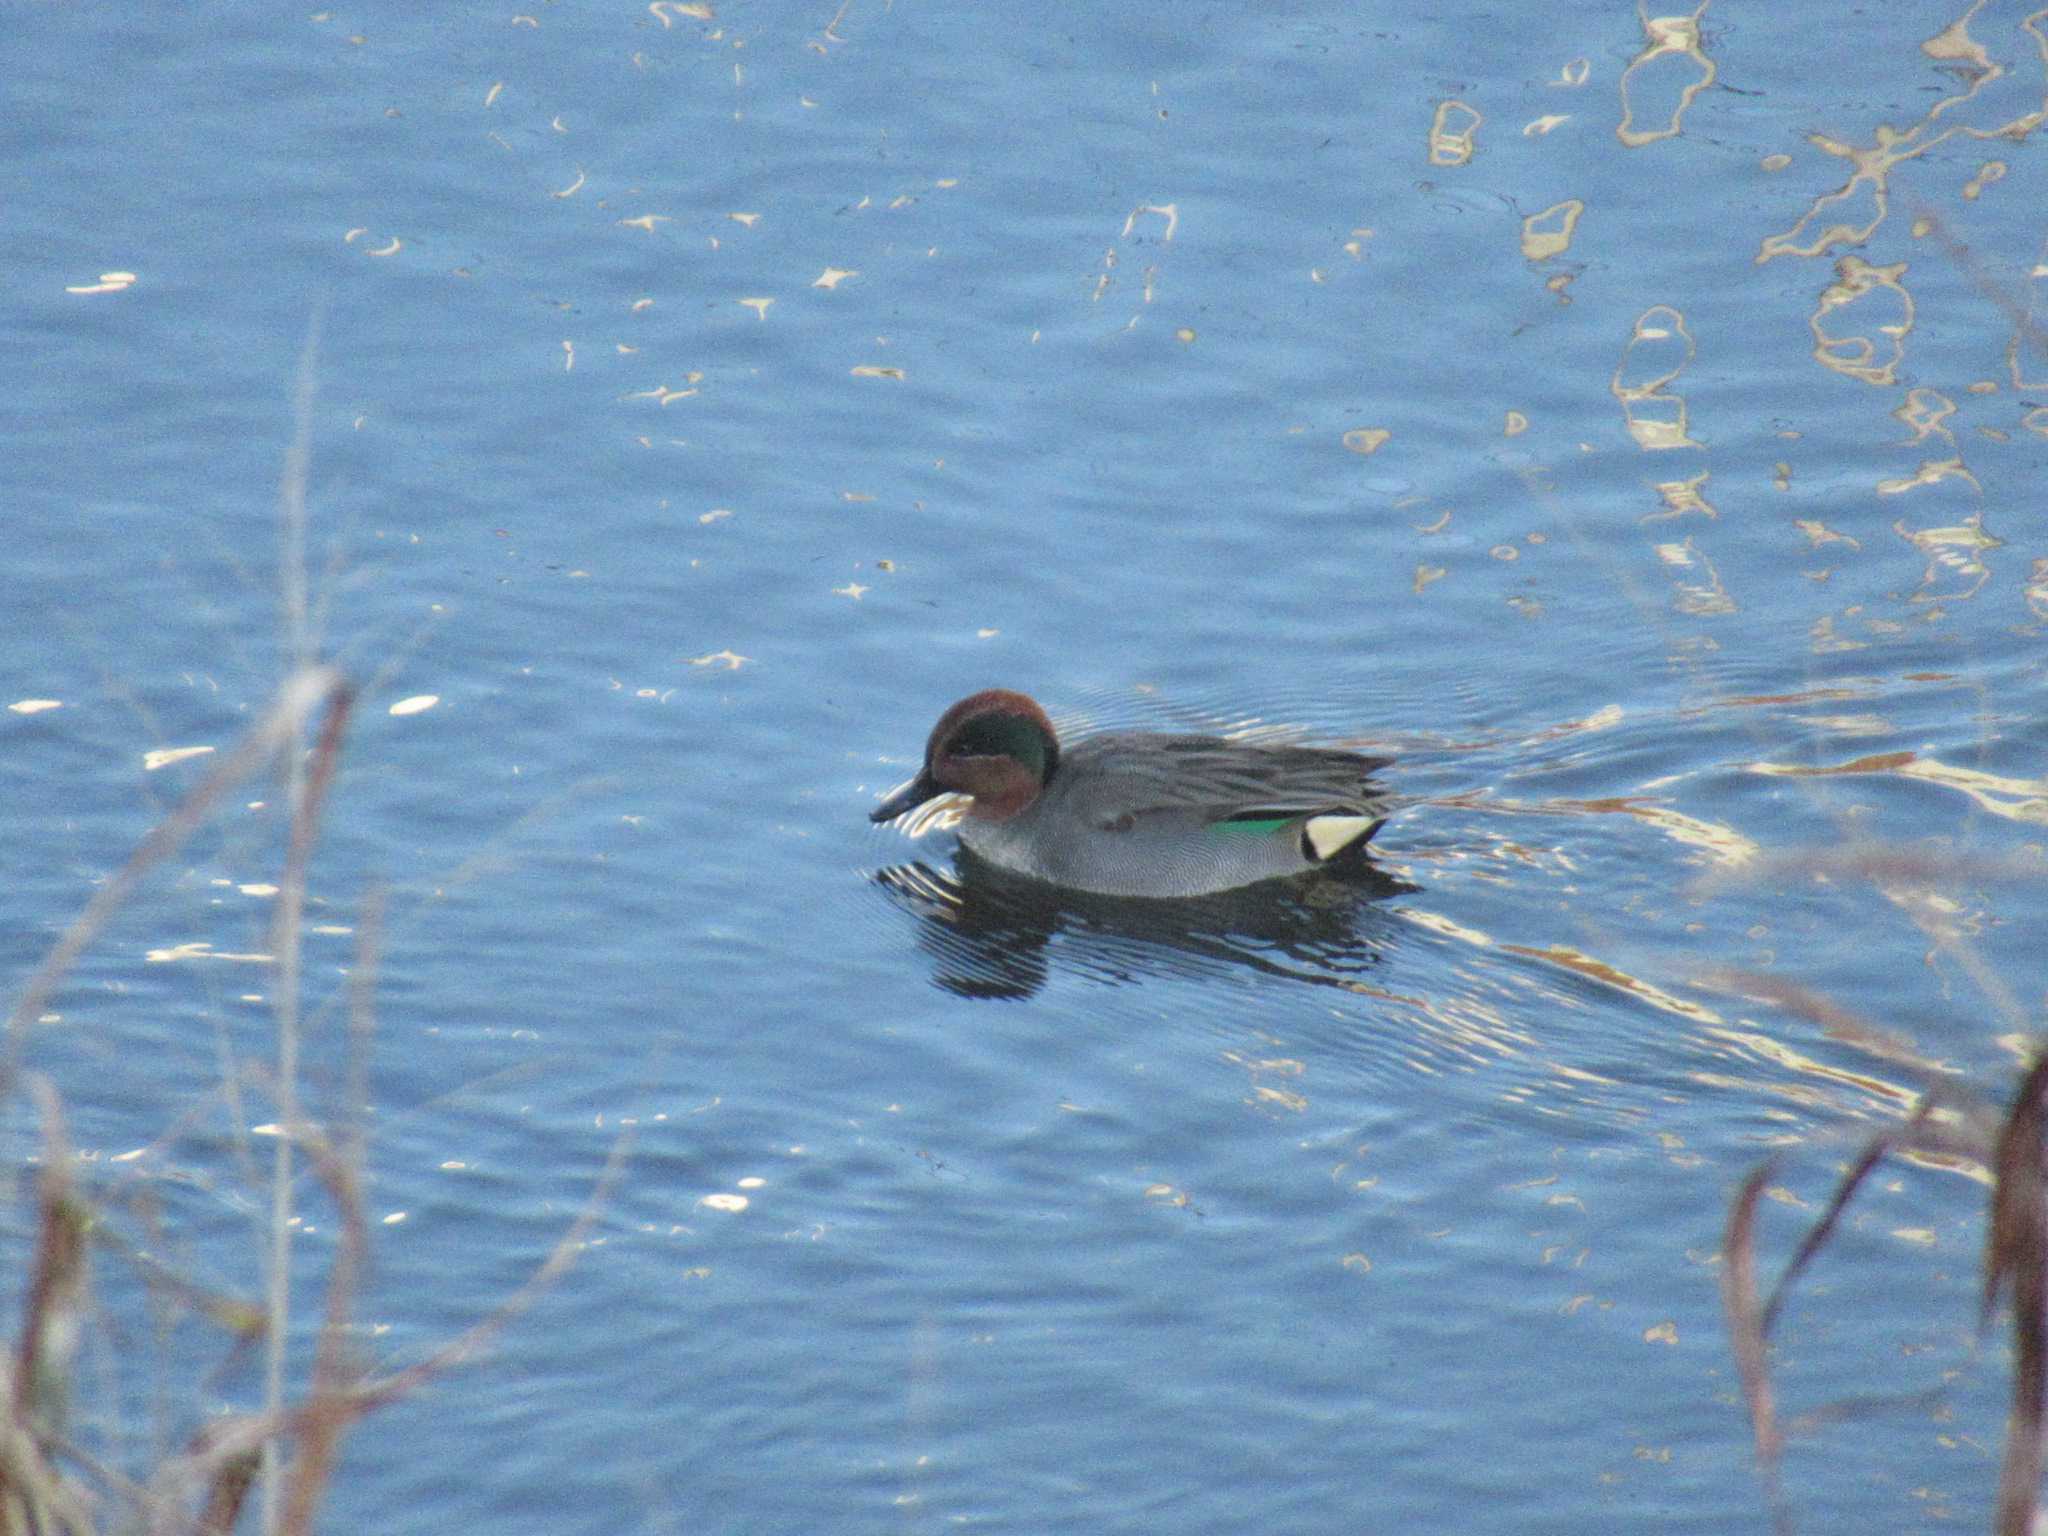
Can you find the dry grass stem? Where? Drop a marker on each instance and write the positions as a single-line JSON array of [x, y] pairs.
[[295, 701], [1954, 1125]]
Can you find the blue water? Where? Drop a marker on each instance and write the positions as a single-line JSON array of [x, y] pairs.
[[1353, 1208]]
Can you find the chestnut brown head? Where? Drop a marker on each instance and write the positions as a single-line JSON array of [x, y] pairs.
[[995, 745]]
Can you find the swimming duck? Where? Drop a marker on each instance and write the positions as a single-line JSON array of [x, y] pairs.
[[1137, 813]]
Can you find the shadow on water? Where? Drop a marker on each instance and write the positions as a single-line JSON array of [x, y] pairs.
[[991, 934]]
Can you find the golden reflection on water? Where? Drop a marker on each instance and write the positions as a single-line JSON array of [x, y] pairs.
[[1579, 963], [1452, 133], [1873, 1076], [1955, 550], [1703, 595], [1861, 320], [1268, 1077], [1875, 299], [1680, 497], [1549, 233], [1763, 1047], [1725, 846], [1657, 352], [1924, 411], [2015, 799], [1930, 472], [1672, 55]]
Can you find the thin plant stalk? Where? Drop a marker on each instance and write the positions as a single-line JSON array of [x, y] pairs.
[[2015, 1251], [34, 1496], [2015, 1256], [225, 1444], [310, 784], [301, 694], [299, 644]]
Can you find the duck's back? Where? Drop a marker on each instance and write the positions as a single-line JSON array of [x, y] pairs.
[[1136, 814]]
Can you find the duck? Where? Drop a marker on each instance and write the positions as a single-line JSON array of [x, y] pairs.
[[1141, 813]]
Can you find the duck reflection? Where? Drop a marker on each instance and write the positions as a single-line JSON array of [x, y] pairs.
[[992, 934]]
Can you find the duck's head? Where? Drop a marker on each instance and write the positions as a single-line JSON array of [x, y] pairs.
[[995, 745]]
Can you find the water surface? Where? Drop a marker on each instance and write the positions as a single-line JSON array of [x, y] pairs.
[[706, 400]]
